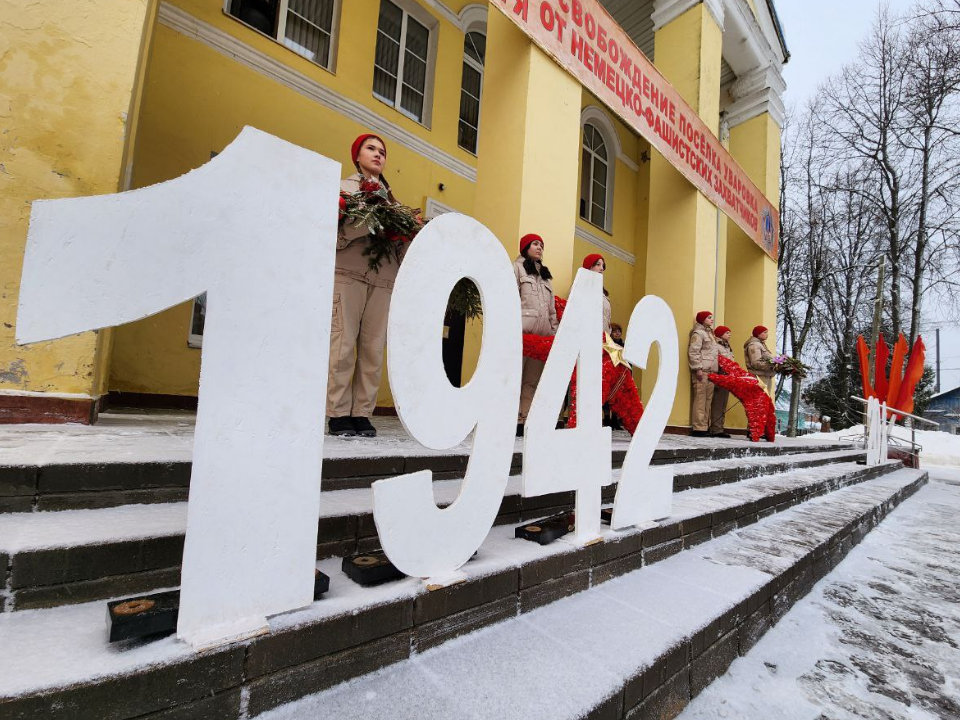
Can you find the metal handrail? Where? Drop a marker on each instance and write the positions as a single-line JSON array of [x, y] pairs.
[[901, 413]]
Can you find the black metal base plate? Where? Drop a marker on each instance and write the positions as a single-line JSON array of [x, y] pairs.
[[321, 583], [547, 530], [142, 616], [370, 568]]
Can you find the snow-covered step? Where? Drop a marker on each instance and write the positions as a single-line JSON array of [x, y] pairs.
[[641, 646], [648, 640], [43, 469], [80, 555]]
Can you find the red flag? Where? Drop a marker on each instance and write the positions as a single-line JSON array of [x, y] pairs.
[[896, 370], [864, 352], [881, 355], [911, 377]]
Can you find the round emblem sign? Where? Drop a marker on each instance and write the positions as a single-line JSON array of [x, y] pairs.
[[766, 219]]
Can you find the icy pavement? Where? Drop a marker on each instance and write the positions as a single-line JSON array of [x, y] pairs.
[[877, 638], [168, 437]]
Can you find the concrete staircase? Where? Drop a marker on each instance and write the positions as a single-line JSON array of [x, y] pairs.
[[750, 534]]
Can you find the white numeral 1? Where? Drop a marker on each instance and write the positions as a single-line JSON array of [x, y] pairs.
[[645, 493], [256, 230], [418, 537], [576, 458]]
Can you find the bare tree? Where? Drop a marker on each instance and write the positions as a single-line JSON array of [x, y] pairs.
[[863, 110], [930, 133]]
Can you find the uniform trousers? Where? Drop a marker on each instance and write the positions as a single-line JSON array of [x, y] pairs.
[[701, 398], [358, 335]]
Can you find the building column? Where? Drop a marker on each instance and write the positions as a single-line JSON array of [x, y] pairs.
[[682, 246], [69, 138], [755, 118], [529, 148]]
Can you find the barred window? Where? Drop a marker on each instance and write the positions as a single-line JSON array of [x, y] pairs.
[[471, 84], [305, 26], [400, 61]]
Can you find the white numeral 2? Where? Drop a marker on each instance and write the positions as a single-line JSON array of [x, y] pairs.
[[645, 493]]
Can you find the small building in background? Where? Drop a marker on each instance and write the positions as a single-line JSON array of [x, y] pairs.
[[944, 408]]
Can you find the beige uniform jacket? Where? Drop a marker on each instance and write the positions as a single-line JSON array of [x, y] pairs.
[[702, 349], [351, 262], [756, 354], [725, 350], [538, 312]]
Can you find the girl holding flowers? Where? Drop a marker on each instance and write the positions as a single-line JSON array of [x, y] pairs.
[[373, 235]]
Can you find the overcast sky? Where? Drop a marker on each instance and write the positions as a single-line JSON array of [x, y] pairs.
[[822, 35]]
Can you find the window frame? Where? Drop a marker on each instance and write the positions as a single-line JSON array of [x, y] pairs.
[[480, 69], [601, 123], [195, 340], [283, 11], [409, 9]]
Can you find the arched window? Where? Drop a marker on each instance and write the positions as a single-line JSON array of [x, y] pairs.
[[474, 51], [594, 177]]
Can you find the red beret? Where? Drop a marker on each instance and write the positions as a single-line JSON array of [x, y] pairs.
[[358, 143], [758, 330], [590, 260], [722, 330], [703, 315], [527, 239]]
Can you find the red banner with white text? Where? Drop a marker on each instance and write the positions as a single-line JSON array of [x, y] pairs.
[[582, 37]]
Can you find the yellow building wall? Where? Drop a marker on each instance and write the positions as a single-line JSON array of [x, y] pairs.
[[197, 100], [67, 105]]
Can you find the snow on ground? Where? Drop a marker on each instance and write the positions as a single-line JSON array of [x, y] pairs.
[[939, 448], [168, 437], [877, 638]]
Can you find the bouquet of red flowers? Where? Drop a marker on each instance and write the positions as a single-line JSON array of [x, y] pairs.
[[390, 223]]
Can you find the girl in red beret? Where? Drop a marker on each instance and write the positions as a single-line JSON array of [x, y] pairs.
[[702, 360], [596, 263], [538, 313], [718, 406], [361, 298], [758, 357]]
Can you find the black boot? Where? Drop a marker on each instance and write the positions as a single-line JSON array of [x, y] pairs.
[[364, 427], [720, 435], [699, 433], [342, 427], [519, 430]]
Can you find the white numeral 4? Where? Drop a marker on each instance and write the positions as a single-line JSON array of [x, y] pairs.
[[576, 458]]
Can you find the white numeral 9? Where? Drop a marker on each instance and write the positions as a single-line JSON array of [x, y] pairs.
[[645, 493], [577, 458], [255, 229], [421, 539]]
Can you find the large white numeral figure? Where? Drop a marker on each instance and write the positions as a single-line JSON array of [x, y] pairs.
[[645, 493], [255, 229], [577, 458], [419, 538], [877, 432]]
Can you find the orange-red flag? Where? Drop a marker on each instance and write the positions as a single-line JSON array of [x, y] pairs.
[[881, 353], [911, 376], [896, 370], [864, 352]]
